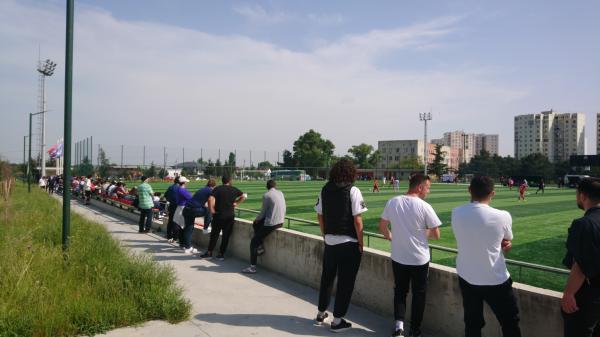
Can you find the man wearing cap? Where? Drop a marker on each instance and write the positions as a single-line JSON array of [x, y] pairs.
[[145, 194]]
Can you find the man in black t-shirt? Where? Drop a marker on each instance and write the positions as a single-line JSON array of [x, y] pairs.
[[221, 203], [581, 298]]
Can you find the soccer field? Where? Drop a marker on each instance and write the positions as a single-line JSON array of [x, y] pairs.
[[539, 224]]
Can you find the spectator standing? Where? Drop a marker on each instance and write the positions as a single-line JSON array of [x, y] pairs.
[[199, 203], [581, 298], [222, 202], [145, 195], [185, 235], [171, 196], [413, 221], [42, 183], [482, 234], [339, 211], [271, 217], [87, 189]]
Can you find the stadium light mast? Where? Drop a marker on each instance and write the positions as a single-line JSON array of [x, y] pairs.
[[424, 117], [46, 69]]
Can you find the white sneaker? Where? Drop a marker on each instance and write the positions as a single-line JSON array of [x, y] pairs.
[[206, 231], [249, 270], [170, 241], [191, 250]]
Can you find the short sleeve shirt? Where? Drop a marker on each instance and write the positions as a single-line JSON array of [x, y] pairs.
[[225, 196], [583, 244], [410, 217], [358, 207], [479, 230]]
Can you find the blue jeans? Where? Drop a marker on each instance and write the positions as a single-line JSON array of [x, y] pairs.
[[145, 222], [189, 215]]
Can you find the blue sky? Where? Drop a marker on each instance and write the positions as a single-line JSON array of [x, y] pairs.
[[356, 71]]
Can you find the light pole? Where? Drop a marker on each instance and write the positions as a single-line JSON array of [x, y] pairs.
[[46, 69], [31, 114], [424, 117]]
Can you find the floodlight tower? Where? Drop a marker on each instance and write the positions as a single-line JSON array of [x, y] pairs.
[[424, 117], [46, 69]]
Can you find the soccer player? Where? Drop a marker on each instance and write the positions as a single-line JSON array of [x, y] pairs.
[[376, 185], [413, 221], [541, 187], [511, 182], [581, 298], [522, 188], [482, 235]]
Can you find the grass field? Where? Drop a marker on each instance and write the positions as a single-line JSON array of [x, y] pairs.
[[95, 287], [539, 224]]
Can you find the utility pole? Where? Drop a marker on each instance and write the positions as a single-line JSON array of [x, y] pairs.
[[45, 69], [121, 157], [424, 117], [144, 158], [67, 125], [165, 159]]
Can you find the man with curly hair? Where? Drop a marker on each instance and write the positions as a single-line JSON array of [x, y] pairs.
[[339, 210]]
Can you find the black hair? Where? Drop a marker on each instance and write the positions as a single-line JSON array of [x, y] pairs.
[[416, 180], [481, 187], [344, 171], [226, 179], [271, 183], [591, 188]]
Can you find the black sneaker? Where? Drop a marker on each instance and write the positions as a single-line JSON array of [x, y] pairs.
[[321, 319], [342, 326], [221, 257], [206, 255], [398, 332], [415, 333]]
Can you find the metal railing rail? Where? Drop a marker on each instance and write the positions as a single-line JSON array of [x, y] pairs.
[[368, 235]]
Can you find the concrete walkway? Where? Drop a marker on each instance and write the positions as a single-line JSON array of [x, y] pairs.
[[226, 302]]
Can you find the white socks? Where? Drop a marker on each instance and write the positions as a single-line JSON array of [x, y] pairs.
[[399, 325], [336, 321]]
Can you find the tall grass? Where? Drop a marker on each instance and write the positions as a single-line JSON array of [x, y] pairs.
[[95, 287]]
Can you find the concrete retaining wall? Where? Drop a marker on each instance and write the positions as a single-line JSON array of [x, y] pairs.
[[298, 256]]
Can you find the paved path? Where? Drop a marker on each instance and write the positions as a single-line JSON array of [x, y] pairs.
[[226, 302]]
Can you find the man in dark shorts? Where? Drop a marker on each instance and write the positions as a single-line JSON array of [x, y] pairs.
[[221, 203], [541, 187], [581, 298], [171, 196]]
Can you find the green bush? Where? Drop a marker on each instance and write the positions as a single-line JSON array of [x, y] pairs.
[[95, 287]]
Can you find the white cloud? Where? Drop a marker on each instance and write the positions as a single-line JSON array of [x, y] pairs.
[[147, 83], [259, 14]]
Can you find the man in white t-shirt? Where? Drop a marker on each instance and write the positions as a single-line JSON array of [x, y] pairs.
[[413, 222], [482, 234], [339, 210]]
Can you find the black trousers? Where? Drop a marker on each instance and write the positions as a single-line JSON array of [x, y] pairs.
[[501, 300], [260, 233], [170, 224], [145, 222], [221, 224], [342, 260], [585, 321], [416, 277]]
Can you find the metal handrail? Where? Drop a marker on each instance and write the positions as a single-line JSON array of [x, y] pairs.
[[516, 263]]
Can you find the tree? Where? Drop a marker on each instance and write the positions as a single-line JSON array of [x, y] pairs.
[[104, 165], [361, 154], [162, 173], [150, 171], [230, 164], [411, 162], [312, 151], [288, 160], [210, 169], [85, 168], [375, 158], [437, 166], [264, 165], [536, 164]]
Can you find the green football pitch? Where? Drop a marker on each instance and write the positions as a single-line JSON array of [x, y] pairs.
[[540, 223]]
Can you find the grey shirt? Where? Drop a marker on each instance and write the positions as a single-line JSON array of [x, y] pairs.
[[273, 208]]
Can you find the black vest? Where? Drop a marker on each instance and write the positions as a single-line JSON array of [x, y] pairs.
[[337, 209]]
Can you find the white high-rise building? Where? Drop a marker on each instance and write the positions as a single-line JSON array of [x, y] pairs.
[[555, 135]]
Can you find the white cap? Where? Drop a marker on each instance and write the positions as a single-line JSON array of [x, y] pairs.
[[183, 179]]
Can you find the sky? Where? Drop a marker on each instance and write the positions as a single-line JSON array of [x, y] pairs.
[[190, 78]]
